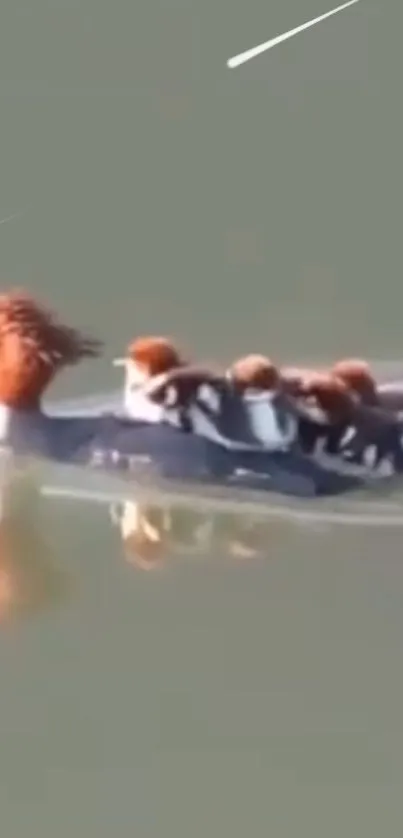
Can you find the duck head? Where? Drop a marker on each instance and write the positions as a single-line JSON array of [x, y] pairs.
[[254, 372], [358, 377], [34, 347], [148, 357]]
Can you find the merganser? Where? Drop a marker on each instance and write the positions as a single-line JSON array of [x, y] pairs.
[[210, 406], [364, 434], [258, 381], [148, 358], [223, 409], [309, 400], [34, 347], [358, 376], [238, 416]]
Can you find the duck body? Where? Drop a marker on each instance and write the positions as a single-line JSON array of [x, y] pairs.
[[151, 451]]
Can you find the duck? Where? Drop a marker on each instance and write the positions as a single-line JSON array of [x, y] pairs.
[[35, 346]]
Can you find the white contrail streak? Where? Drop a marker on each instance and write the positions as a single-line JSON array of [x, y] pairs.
[[252, 53], [11, 217]]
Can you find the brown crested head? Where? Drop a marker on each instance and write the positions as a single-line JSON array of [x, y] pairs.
[[330, 394], [156, 355], [358, 377], [34, 346], [254, 372]]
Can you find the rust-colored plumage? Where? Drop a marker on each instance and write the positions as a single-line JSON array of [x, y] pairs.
[[330, 393], [34, 346], [357, 375], [255, 372], [156, 355]]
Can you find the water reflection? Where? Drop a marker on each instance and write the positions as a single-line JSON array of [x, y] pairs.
[[152, 534], [30, 580]]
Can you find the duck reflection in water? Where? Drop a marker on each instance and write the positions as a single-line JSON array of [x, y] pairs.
[[152, 535], [145, 533], [30, 581]]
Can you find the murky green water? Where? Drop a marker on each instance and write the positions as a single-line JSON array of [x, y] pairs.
[[217, 694]]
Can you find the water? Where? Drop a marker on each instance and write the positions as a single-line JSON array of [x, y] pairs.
[[258, 208]]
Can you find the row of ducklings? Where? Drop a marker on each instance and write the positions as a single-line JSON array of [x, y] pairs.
[[346, 394], [35, 346]]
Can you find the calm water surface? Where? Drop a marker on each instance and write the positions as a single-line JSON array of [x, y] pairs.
[[217, 694]]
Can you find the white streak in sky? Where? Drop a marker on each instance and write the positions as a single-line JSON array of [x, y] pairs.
[[252, 53], [12, 217]]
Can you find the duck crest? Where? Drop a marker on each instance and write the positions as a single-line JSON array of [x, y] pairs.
[[34, 346]]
